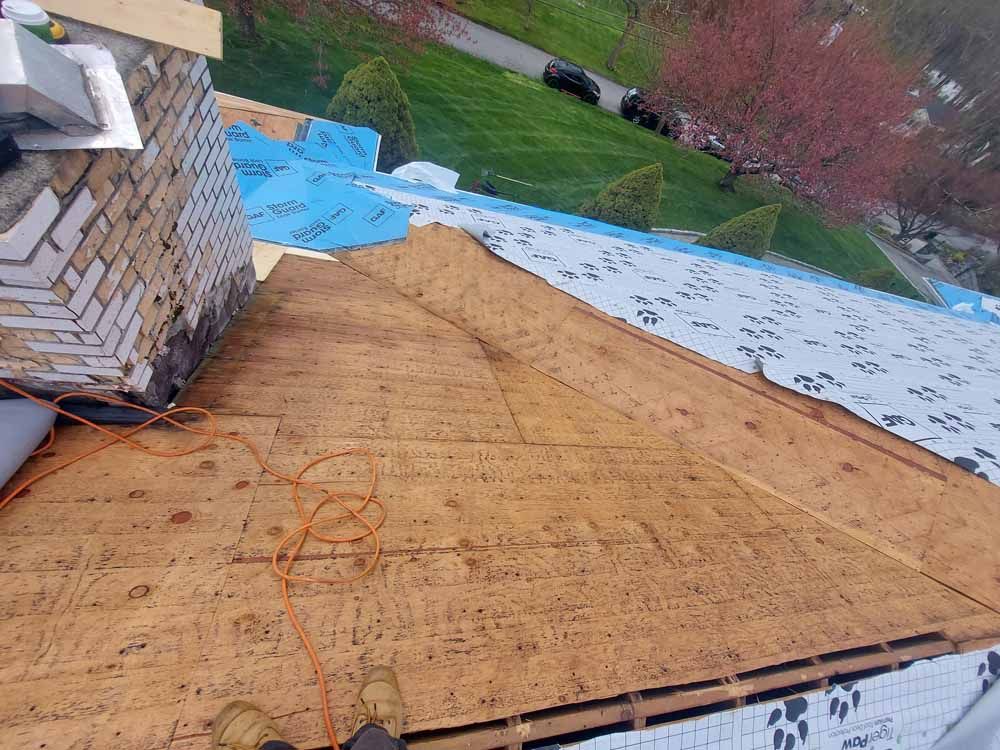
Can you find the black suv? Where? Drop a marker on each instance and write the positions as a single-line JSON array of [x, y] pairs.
[[571, 78], [633, 107]]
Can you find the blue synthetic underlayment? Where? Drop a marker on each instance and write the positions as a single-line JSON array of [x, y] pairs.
[[357, 147], [976, 305], [311, 193], [297, 192]]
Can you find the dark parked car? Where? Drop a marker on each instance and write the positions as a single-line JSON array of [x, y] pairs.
[[571, 78], [633, 107]]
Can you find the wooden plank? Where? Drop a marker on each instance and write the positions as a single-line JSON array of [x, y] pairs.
[[177, 23], [882, 490], [273, 122]]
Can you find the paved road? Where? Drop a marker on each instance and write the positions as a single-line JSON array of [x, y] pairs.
[[957, 238], [509, 53], [913, 270]]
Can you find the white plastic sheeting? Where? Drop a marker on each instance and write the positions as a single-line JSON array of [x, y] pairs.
[[922, 373], [910, 709], [429, 173]]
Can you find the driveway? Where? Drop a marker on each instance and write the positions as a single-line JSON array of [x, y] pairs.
[[913, 270], [499, 49]]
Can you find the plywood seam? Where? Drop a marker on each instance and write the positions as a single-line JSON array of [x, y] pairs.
[[503, 393]]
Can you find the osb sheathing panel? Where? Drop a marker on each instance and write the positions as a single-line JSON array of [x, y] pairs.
[[541, 549], [888, 493]]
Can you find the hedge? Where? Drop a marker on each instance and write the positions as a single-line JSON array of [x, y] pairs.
[[632, 200], [747, 234], [370, 96]]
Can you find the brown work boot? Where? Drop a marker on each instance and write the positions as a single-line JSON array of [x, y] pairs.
[[243, 726], [379, 702]]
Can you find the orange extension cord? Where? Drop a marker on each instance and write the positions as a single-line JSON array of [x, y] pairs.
[[309, 521]]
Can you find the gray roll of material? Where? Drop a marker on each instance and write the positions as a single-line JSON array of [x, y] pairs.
[[23, 425]]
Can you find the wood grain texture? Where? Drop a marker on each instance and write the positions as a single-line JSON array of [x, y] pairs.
[[541, 549], [891, 494], [273, 122], [177, 23]]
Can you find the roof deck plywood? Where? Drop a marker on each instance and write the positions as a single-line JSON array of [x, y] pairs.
[[541, 549], [886, 492]]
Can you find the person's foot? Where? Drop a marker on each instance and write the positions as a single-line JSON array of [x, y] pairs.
[[379, 702], [243, 726]]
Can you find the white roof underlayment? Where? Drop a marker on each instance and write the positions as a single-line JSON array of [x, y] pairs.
[[945, 703]]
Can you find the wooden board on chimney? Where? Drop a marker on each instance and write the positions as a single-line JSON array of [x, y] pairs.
[[177, 23]]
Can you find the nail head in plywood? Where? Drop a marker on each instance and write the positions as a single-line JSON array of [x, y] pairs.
[[175, 22]]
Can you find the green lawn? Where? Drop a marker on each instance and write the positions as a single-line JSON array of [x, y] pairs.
[[584, 32], [472, 116]]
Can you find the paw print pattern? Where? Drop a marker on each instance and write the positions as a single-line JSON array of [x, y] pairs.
[[818, 384], [648, 317], [950, 423], [926, 394], [848, 699], [991, 666], [570, 275], [973, 465], [869, 368], [640, 299], [665, 301], [793, 729], [953, 379]]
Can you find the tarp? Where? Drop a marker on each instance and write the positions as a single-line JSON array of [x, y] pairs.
[[296, 194], [968, 303]]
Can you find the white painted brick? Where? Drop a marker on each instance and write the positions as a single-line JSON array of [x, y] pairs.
[[85, 370], [51, 347], [90, 338], [184, 215], [101, 361], [150, 153], [67, 233], [189, 157], [199, 184], [129, 337], [90, 315], [7, 374], [131, 303], [86, 289], [34, 274], [20, 294], [52, 311], [58, 377], [209, 101], [103, 224], [190, 271], [67, 338], [109, 315], [200, 64], [140, 376], [39, 324], [72, 278], [202, 135], [108, 347], [149, 63], [18, 241]]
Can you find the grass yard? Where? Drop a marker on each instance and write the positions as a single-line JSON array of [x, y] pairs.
[[582, 31], [472, 116]]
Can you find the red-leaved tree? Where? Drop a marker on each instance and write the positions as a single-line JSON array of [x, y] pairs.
[[931, 187], [406, 22], [788, 92]]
